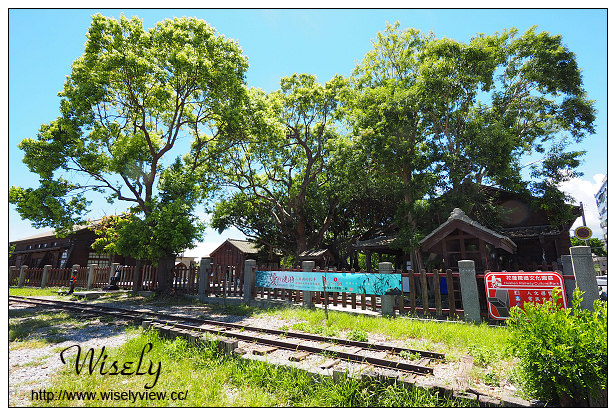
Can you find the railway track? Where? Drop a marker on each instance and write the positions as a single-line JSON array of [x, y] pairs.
[[377, 355]]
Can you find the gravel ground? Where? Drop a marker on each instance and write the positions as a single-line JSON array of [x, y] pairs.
[[30, 369]]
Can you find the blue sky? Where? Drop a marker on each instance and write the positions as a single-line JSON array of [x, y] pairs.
[[43, 43]]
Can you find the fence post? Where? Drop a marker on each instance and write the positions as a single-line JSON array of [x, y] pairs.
[[387, 301], [22, 275], [45, 275], [307, 266], [568, 271], [91, 276], [585, 276], [249, 279], [470, 294], [205, 268], [11, 271]]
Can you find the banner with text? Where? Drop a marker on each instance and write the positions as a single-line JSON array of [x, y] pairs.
[[362, 283]]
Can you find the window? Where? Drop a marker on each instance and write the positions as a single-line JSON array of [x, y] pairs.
[[101, 260]]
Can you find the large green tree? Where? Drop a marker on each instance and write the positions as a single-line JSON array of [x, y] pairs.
[[278, 168], [134, 101], [385, 111], [446, 117]]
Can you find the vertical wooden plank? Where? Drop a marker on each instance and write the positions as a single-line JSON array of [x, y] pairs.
[[451, 295], [344, 300], [373, 302], [353, 301], [424, 291], [363, 302], [401, 303], [436, 284], [335, 296]]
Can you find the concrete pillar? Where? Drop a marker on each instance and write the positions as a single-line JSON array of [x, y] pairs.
[[46, 269], [250, 267], [12, 270], [568, 271], [307, 266], [205, 269], [22, 275], [470, 294], [91, 276], [387, 301], [585, 276]]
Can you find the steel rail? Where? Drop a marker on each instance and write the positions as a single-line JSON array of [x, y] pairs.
[[232, 330]]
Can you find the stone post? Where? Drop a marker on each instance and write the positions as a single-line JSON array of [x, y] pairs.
[[46, 269], [307, 266], [22, 275], [470, 294], [568, 271], [205, 269], [387, 301], [585, 276], [250, 267], [11, 271], [91, 276]]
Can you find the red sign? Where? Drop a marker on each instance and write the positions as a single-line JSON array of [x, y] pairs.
[[508, 289]]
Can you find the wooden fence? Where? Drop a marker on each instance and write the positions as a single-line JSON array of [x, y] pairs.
[[430, 294]]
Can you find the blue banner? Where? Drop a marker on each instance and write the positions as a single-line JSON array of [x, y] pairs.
[[362, 283]]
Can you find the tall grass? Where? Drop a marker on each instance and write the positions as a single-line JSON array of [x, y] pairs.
[[215, 380]]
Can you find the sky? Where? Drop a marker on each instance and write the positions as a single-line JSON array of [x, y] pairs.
[[42, 44]]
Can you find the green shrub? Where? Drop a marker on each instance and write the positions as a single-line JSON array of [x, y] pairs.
[[357, 335], [563, 352]]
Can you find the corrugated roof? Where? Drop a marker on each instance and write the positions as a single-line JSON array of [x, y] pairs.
[[244, 246]]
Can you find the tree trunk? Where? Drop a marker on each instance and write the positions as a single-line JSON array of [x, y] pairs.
[[165, 274]]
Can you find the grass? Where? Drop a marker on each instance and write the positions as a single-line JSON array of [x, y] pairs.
[[33, 291], [452, 338], [214, 380], [29, 328]]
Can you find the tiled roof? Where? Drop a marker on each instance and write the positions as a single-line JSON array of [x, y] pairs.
[[52, 233], [458, 215]]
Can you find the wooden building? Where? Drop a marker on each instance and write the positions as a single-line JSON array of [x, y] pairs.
[[525, 239], [231, 254], [47, 249], [322, 258]]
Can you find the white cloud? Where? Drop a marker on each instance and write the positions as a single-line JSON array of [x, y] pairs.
[[584, 191]]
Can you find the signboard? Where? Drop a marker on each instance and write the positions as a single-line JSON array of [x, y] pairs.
[[583, 233], [362, 283], [507, 289]]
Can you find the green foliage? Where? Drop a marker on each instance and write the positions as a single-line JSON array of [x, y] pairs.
[[596, 245], [442, 115], [483, 355], [278, 169], [563, 352], [357, 335], [132, 99]]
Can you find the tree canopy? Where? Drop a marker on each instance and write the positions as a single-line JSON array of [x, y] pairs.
[[134, 102], [161, 118]]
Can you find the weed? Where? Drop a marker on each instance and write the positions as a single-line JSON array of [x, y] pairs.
[[412, 356], [357, 335]]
